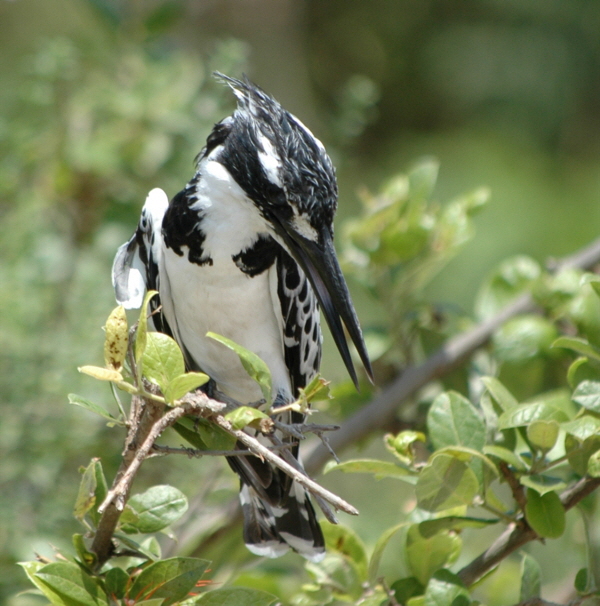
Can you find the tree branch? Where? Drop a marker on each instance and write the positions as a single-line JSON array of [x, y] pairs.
[[143, 415], [198, 454], [263, 452], [382, 409], [517, 535], [148, 421]]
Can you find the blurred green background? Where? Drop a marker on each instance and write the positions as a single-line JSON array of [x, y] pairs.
[[102, 100]]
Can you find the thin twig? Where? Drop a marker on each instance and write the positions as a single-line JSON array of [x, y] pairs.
[[117, 494], [297, 430], [516, 487], [145, 427], [197, 453], [325, 441], [142, 417], [291, 459], [262, 451]]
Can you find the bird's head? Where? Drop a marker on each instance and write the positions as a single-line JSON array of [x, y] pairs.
[[286, 172]]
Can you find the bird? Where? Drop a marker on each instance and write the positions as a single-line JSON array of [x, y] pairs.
[[246, 251]]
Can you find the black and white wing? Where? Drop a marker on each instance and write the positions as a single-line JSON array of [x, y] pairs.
[[136, 266], [278, 513], [302, 337]]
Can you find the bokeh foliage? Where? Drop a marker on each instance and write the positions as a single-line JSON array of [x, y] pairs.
[[119, 102], [83, 135]]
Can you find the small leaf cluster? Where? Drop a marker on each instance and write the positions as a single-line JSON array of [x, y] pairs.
[[510, 453], [536, 447], [140, 576], [402, 240], [156, 358], [150, 365]]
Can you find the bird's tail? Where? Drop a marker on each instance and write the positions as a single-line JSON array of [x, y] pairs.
[[271, 530]]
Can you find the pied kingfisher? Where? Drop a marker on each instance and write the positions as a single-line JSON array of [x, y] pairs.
[[246, 250]]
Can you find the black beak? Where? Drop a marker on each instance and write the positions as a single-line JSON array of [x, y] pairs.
[[319, 262]]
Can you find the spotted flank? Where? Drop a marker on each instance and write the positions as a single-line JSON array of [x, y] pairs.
[[246, 250], [302, 336]]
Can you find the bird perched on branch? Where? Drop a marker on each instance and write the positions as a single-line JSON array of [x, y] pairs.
[[246, 250]]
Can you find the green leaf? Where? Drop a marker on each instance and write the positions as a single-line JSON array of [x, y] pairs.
[[528, 413], [142, 328], [317, 389], [406, 588], [244, 415], [501, 396], [154, 509], [582, 427], [86, 497], [147, 548], [101, 487], [423, 177], [336, 575], [508, 456], [587, 394], [188, 430], [453, 420], [593, 281], [115, 583], [380, 469], [170, 579], [446, 589], [102, 374], [79, 401], [254, 366], [116, 338], [491, 498], [579, 452], [179, 386], [513, 277], [71, 584], [542, 483], [522, 338], [543, 434], [582, 370], [531, 578], [425, 555], [92, 491], [582, 581], [581, 346], [346, 542], [545, 514], [86, 557], [30, 569], [468, 454], [213, 436], [240, 596], [162, 360], [446, 482], [593, 466], [377, 554], [431, 527], [402, 445]]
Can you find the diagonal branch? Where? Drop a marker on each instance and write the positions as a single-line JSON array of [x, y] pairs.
[[147, 422], [381, 411], [299, 476], [516, 535]]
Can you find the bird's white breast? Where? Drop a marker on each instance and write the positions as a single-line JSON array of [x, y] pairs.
[[219, 297]]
